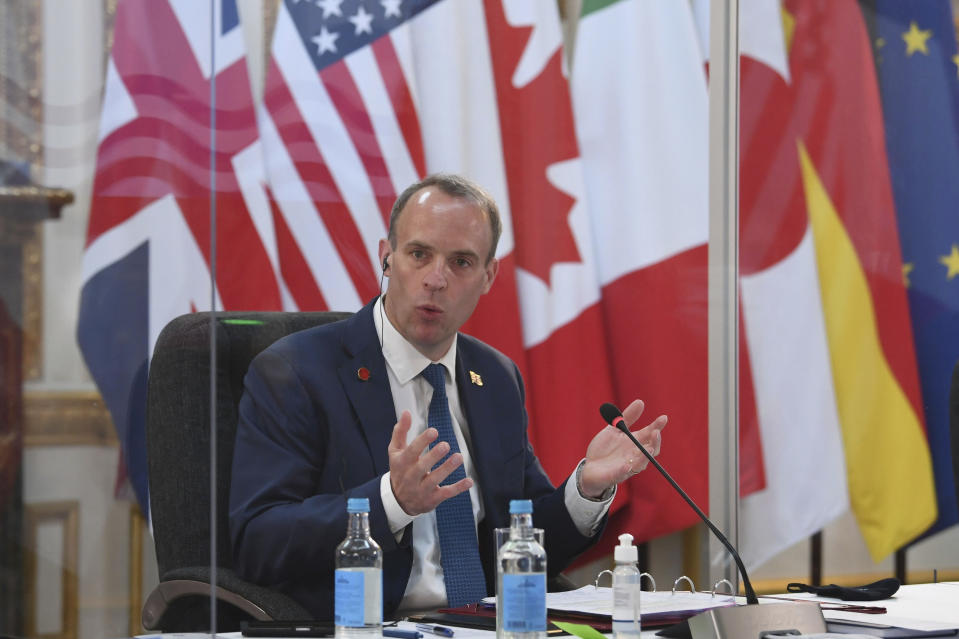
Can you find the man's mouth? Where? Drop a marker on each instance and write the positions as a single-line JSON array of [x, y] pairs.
[[428, 310]]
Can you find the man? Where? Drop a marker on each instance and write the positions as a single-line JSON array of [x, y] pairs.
[[318, 424]]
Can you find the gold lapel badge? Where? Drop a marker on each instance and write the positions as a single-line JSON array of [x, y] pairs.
[[476, 378]]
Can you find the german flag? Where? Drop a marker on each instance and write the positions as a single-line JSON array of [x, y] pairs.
[[849, 197]]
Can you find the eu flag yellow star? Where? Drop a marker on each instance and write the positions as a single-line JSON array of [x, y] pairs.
[[952, 262], [906, 270], [916, 39]]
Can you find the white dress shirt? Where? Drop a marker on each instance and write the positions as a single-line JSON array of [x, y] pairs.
[[426, 588]]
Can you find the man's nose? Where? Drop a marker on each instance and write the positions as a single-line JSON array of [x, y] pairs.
[[435, 278]]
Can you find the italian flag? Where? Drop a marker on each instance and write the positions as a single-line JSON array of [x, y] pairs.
[[640, 102]]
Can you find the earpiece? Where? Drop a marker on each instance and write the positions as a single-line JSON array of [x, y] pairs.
[[386, 262]]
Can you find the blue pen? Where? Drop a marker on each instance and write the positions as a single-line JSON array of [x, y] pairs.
[[402, 634], [442, 631]]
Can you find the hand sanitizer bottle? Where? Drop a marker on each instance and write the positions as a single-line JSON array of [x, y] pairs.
[[626, 589]]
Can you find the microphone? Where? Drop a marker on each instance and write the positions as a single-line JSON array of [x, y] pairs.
[[614, 418]]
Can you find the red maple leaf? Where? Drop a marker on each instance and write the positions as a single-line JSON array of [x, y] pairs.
[[537, 130]]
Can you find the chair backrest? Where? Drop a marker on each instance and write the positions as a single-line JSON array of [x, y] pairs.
[[178, 424]]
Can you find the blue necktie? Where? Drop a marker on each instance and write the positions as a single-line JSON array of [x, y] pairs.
[[459, 550]]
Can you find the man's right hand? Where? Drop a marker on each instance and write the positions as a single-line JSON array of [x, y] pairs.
[[416, 488]]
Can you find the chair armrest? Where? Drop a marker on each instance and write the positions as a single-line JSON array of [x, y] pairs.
[[178, 587]]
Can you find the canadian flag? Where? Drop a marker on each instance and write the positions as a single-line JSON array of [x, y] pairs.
[[566, 356]]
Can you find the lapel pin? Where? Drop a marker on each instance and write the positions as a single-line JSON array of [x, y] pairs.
[[363, 373], [476, 378]]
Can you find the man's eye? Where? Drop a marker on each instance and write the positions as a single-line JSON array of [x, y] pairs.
[[462, 262]]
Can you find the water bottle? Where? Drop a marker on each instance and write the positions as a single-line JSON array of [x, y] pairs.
[[358, 580], [626, 589], [521, 578]]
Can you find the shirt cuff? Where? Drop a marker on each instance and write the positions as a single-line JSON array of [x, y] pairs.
[[586, 513], [396, 517]]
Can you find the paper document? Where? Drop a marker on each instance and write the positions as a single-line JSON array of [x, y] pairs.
[[599, 601]]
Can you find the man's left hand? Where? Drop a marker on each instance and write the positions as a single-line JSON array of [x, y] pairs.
[[612, 458]]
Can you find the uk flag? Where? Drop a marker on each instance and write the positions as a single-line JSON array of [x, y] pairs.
[[178, 139]]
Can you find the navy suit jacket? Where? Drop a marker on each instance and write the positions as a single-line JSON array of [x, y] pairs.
[[313, 432]]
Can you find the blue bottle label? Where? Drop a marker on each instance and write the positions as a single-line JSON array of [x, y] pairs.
[[524, 602], [358, 596]]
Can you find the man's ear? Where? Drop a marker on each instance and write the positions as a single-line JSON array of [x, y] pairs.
[[492, 268], [385, 250]]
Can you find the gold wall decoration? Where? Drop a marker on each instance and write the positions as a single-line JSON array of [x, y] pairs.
[[73, 418], [33, 305], [65, 513], [21, 134], [137, 524]]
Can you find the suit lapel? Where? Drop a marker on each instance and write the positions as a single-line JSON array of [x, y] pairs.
[[483, 414], [367, 386]]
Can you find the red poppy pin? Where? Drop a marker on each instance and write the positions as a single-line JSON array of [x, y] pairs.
[[363, 373]]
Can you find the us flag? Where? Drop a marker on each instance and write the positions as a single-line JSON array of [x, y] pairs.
[[163, 146], [342, 139]]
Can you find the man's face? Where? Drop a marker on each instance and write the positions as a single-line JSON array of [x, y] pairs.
[[438, 270]]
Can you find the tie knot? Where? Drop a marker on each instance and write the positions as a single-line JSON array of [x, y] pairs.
[[434, 375]]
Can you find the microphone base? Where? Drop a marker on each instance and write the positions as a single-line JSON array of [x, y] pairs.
[[742, 622]]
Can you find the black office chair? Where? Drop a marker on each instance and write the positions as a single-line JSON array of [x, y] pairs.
[[178, 452]]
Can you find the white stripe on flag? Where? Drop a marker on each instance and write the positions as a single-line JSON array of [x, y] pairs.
[[329, 134], [178, 272], [118, 106], [179, 276], [572, 286], [404, 53], [369, 82], [457, 100], [305, 223], [645, 147], [757, 39], [545, 38], [251, 178], [799, 422], [194, 19]]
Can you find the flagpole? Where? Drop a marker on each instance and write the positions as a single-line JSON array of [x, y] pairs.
[[723, 368]]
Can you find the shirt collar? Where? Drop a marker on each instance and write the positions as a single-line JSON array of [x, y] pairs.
[[401, 356]]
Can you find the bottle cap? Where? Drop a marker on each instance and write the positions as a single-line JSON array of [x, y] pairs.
[[358, 505], [625, 551], [520, 507]]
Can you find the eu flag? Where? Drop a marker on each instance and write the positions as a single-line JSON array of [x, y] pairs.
[[918, 68]]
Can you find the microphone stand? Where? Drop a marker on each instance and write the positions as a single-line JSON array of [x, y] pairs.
[[750, 593], [750, 620]]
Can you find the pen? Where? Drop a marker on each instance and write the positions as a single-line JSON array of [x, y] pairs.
[[402, 634], [443, 631]]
